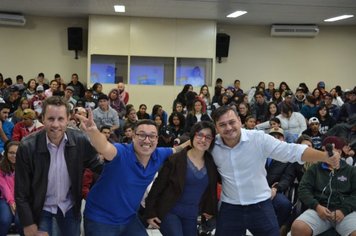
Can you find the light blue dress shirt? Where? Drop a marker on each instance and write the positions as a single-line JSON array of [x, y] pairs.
[[242, 168]]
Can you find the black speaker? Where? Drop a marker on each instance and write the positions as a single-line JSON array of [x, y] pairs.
[[75, 38], [222, 45]]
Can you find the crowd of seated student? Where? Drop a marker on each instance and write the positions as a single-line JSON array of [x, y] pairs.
[[325, 113]]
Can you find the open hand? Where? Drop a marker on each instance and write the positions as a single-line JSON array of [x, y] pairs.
[[86, 124]]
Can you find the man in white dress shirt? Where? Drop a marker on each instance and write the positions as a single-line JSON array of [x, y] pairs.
[[240, 156]]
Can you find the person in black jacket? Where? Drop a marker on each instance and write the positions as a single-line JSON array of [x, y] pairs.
[[277, 172], [49, 172], [185, 187]]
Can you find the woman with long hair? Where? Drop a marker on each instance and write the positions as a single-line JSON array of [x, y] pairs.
[[277, 96], [116, 103], [181, 96], [8, 213], [142, 114], [17, 116], [158, 110], [283, 86], [30, 89], [176, 122], [244, 111], [195, 115], [97, 90], [326, 121], [185, 186], [272, 110], [317, 95], [205, 95]]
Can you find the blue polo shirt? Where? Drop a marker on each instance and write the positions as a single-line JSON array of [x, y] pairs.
[[116, 196]]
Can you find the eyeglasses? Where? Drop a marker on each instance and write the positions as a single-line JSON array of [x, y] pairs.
[[143, 136], [200, 136]]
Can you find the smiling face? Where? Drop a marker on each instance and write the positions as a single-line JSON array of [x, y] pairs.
[[55, 121], [11, 153], [145, 147], [203, 139], [229, 127]]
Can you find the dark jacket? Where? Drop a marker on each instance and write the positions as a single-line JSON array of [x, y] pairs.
[[192, 119], [282, 173], [314, 188], [32, 166], [169, 185]]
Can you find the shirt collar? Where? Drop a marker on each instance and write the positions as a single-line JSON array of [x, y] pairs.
[[49, 143]]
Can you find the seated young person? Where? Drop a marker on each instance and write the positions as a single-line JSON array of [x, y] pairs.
[[330, 195]]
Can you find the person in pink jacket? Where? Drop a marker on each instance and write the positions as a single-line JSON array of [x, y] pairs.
[[8, 213]]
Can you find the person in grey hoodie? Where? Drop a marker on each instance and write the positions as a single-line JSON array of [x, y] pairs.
[[104, 114]]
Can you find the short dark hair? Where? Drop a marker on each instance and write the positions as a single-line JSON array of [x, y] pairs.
[[55, 101], [19, 77], [145, 122], [202, 125], [40, 74], [275, 119], [286, 108], [4, 106], [221, 111], [105, 127]]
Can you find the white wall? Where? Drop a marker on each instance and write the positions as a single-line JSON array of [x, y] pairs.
[[41, 46], [256, 56], [134, 36]]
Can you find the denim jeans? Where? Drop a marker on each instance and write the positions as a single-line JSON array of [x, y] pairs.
[[7, 218], [68, 225], [282, 207], [133, 228], [258, 218], [174, 225]]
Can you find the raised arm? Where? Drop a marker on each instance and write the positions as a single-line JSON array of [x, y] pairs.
[[97, 139]]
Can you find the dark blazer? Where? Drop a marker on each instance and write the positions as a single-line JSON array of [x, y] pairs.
[[191, 119], [169, 185], [32, 166]]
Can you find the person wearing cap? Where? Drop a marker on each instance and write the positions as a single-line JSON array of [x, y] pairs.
[[104, 114], [240, 156], [6, 126], [349, 107], [38, 98], [68, 96], [313, 132], [288, 99], [28, 125], [299, 97], [330, 195], [279, 177], [42, 81], [321, 87], [89, 100]]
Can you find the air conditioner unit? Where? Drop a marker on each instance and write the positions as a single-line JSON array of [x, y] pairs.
[[294, 30], [12, 19]]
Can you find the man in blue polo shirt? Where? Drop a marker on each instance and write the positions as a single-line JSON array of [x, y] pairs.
[[112, 203]]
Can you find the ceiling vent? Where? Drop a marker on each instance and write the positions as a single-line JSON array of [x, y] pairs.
[[12, 19], [294, 30]]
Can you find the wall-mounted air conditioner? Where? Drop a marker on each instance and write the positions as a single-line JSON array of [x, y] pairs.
[[12, 19], [294, 30]]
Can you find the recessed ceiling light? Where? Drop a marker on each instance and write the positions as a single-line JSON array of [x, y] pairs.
[[338, 18], [236, 14], [119, 8]]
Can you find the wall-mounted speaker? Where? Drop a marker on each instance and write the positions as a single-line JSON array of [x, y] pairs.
[[75, 38], [222, 45]]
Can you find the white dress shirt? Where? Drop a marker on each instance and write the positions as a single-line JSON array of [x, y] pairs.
[[242, 168]]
